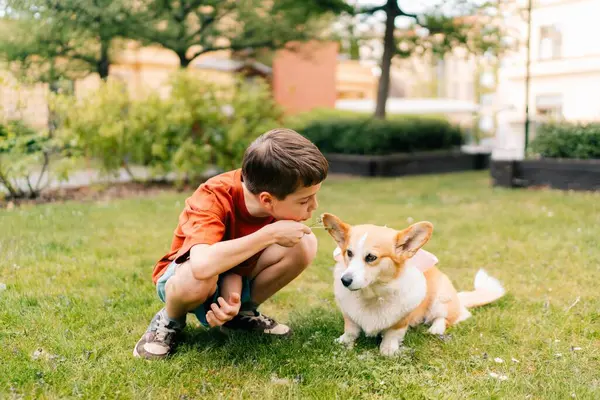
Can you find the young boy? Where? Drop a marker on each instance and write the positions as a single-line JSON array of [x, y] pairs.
[[239, 241]]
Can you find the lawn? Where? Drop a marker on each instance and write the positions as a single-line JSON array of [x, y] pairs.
[[76, 294]]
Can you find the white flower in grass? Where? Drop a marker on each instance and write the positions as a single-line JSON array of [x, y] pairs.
[[498, 376]]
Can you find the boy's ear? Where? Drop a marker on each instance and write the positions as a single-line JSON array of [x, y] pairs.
[[266, 200], [338, 230], [411, 239]]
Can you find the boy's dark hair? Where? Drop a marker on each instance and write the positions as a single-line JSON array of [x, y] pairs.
[[280, 161]]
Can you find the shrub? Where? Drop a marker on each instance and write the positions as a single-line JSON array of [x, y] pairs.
[[200, 124], [25, 157], [567, 140], [360, 135]]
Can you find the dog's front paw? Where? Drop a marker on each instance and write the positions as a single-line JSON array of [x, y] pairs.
[[438, 327], [346, 340], [389, 349]]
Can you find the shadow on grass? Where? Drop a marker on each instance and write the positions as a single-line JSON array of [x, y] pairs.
[[313, 338]]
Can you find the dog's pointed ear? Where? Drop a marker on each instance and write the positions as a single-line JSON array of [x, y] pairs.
[[338, 230], [411, 239]]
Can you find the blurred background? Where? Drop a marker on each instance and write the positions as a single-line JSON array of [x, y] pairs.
[[174, 90]]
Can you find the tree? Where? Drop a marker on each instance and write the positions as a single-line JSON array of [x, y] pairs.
[[191, 28], [434, 33], [53, 39]]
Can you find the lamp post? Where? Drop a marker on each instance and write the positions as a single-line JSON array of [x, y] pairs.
[[527, 75]]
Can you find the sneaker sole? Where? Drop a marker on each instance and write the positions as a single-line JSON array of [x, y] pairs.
[[229, 332], [135, 352]]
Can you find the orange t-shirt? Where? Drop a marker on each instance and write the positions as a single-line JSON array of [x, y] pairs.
[[215, 212]]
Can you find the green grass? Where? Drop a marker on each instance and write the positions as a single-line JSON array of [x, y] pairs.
[[78, 286]]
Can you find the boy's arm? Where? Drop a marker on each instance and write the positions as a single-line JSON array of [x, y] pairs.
[[208, 261], [231, 289]]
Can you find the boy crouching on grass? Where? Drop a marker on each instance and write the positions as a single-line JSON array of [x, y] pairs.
[[239, 241]]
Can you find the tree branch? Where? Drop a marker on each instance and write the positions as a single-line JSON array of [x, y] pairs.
[[404, 14], [205, 24], [370, 10], [6, 182], [31, 191], [235, 47], [129, 171], [210, 19], [46, 162]]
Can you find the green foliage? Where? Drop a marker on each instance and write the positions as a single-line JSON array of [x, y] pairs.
[[191, 28], [46, 40], [199, 124], [355, 134], [25, 156], [474, 26], [299, 121], [567, 140], [15, 135]]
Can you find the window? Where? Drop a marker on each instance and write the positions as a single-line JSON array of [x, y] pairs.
[[550, 42], [486, 99], [549, 106]]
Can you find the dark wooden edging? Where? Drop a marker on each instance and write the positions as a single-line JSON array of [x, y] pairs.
[[566, 174], [433, 162]]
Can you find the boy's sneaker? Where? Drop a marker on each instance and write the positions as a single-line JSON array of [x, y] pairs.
[[254, 321], [160, 337]]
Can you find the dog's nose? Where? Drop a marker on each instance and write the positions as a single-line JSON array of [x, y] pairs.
[[346, 281]]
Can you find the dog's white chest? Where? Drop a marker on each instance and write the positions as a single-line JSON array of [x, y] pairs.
[[375, 309]]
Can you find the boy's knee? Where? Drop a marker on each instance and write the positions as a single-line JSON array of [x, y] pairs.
[[189, 290], [306, 250]]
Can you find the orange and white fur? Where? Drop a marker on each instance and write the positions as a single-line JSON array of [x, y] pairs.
[[380, 290]]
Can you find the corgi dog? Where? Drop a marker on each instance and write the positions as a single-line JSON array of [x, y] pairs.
[[381, 291]]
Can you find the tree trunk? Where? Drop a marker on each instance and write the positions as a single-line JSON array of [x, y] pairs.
[[183, 61], [53, 86], [389, 48], [104, 62]]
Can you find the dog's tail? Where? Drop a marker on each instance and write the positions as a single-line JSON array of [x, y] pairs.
[[487, 290]]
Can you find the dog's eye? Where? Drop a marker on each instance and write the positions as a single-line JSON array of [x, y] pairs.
[[370, 258], [349, 253]]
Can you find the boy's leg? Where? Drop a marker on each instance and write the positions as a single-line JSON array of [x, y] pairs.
[[275, 269], [182, 293], [279, 265]]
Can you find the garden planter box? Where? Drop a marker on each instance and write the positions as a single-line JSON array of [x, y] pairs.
[[566, 174], [434, 162]]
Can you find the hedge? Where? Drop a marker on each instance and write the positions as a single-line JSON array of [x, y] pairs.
[[365, 135], [567, 140]]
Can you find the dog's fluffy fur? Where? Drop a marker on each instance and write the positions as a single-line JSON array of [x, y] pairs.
[[378, 292]]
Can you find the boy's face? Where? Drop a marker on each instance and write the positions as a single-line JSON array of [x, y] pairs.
[[297, 206]]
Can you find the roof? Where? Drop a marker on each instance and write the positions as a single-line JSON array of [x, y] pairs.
[[229, 65], [411, 106]]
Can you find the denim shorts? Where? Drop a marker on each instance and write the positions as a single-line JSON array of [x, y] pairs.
[[200, 311]]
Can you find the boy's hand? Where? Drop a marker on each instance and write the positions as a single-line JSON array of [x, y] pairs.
[[225, 311], [288, 233]]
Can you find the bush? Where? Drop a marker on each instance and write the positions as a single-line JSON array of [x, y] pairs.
[[200, 124], [25, 157], [361, 135], [567, 140]]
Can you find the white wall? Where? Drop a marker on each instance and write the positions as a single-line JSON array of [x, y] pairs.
[[575, 75]]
